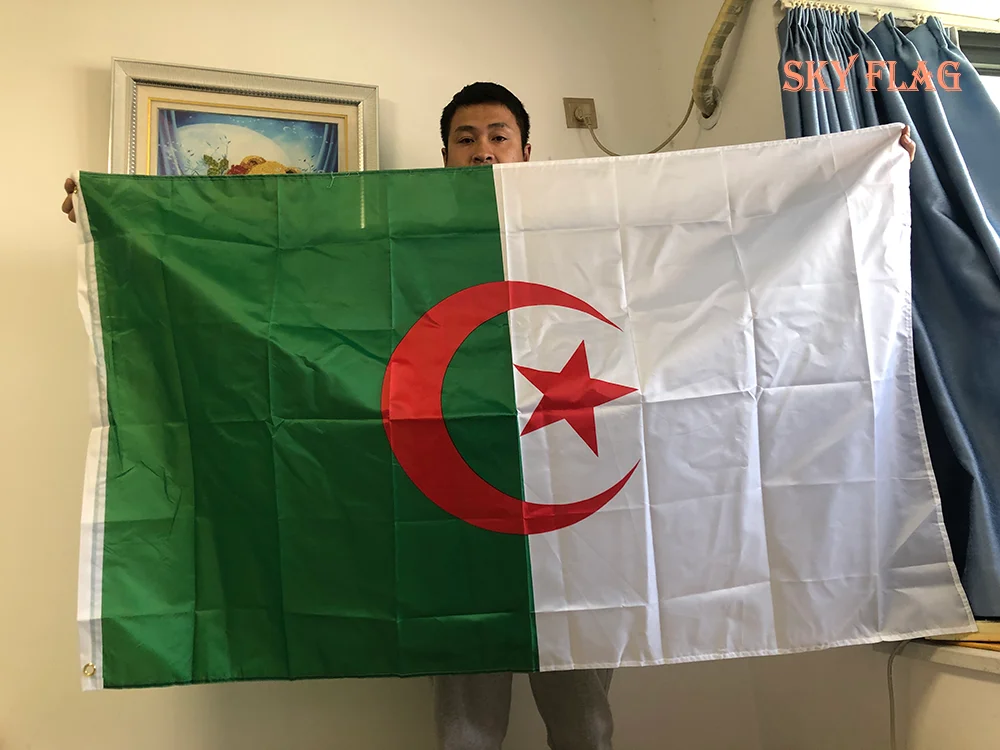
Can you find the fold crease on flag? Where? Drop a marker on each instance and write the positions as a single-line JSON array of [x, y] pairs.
[[590, 413]]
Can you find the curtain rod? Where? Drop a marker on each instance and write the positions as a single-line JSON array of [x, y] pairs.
[[959, 21]]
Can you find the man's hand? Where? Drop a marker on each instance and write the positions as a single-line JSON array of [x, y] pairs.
[[906, 142], [67, 206]]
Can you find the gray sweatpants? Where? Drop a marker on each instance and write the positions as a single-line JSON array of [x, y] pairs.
[[472, 711]]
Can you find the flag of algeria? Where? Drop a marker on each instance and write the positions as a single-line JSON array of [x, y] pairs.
[[541, 416]]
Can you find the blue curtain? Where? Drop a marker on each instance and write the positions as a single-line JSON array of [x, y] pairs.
[[955, 198]]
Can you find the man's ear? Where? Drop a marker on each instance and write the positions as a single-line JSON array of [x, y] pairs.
[[444, 156], [527, 152]]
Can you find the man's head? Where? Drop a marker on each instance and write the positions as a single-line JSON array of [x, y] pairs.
[[484, 124]]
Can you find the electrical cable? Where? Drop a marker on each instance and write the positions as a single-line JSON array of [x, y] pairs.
[[892, 696], [585, 119]]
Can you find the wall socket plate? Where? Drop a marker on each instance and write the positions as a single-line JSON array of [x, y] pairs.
[[588, 107]]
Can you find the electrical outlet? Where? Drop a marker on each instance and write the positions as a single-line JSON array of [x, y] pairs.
[[586, 107]]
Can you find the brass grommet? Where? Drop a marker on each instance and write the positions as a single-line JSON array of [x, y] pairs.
[[89, 670]]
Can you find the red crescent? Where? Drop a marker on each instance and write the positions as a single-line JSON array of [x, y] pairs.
[[414, 421]]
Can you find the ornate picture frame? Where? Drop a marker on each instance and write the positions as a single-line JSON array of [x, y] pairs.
[[183, 120]]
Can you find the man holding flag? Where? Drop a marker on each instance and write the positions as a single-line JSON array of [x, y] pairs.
[[486, 125]]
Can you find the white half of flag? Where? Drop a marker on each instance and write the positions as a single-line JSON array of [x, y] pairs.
[[784, 498]]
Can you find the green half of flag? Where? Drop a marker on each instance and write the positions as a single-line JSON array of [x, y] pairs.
[[255, 523]]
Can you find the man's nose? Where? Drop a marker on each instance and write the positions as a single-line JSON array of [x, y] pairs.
[[484, 156]]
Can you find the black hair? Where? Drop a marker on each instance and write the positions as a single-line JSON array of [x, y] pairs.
[[485, 93]]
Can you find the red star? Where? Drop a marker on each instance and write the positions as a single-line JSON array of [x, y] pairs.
[[571, 394]]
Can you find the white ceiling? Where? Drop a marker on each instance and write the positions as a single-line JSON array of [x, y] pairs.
[[985, 8]]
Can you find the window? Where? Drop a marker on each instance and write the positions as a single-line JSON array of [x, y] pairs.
[[983, 51], [992, 82]]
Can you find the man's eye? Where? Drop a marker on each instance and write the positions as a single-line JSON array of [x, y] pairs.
[[499, 138], [465, 140]]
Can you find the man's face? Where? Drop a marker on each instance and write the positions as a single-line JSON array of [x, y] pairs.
[[484, 134]]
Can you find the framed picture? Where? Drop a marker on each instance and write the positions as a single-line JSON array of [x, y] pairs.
[[181, 120]]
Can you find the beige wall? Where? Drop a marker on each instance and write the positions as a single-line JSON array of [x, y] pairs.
[[946, 707], [838, 699]]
